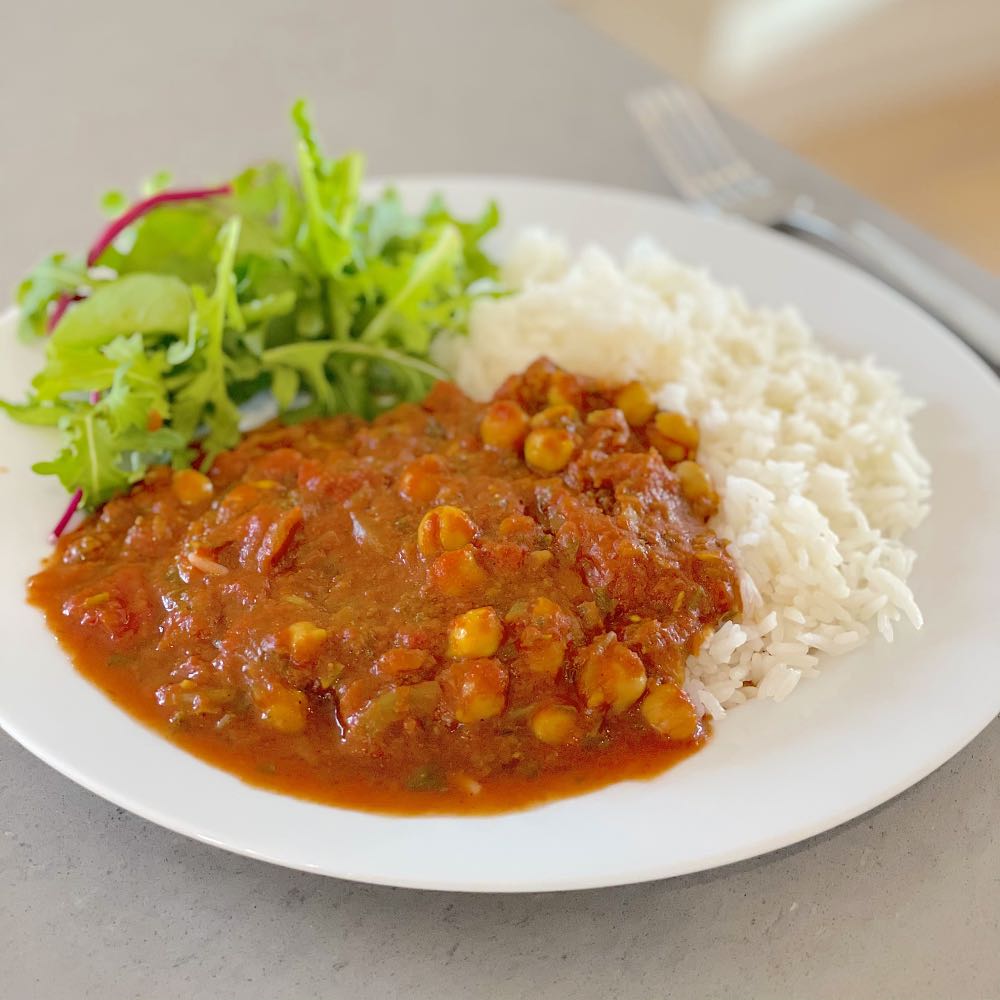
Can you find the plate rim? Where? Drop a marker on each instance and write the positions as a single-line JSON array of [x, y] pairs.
[[801, 833]]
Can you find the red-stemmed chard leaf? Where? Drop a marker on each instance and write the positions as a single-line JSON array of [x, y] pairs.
[[62, 304], [115, 228], [74, 502], [140, 208]]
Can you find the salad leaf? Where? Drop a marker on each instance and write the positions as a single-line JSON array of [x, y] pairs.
[[36, 414], [87, 460], [57, 275], [137, 389], [136, 303], [205, 396], [177, 240], [435, 265], [192, 301]]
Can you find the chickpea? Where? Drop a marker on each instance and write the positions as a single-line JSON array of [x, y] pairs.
[[554, 724], [670, 450], [677, 427], [455, 574], [669, 711], [636, 403], [304, 641], [504, 425], [421, 480], [191, 487], [674, 436], [549, 449], [610, 674], [695, 484], [556, 416], [475, 689], [284, 709], [476, 633], [444, 529]]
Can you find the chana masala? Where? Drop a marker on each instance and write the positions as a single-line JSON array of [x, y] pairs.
[[457, 607]]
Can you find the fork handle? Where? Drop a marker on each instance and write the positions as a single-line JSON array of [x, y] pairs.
[[967, 316]]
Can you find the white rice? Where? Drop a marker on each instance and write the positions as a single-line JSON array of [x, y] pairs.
[[813, 455]]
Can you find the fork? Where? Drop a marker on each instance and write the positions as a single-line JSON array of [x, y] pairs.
[[707, 169]]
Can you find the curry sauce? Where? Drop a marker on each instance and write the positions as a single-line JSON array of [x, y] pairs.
[[457, 607]]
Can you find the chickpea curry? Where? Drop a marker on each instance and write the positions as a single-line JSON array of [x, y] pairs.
[[457, 607]]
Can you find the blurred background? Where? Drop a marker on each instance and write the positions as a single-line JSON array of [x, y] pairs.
[[899, 98]]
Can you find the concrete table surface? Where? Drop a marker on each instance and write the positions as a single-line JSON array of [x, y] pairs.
[[94, 902]]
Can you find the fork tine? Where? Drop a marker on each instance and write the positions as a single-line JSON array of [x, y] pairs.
[[681, 155], [689, 107], [712, 161], [645, 107], [692, 147], [676, 120], [719, 167]]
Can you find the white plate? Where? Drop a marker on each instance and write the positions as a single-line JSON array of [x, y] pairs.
[[869, 727]]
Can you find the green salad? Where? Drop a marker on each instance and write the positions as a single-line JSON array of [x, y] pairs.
[[191, 302]]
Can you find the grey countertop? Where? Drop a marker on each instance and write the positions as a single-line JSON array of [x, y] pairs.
[[903, 902]]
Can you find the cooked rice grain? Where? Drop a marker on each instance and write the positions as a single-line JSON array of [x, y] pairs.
[[813, 455]]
